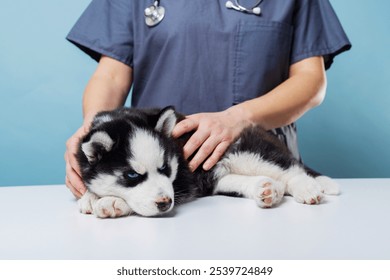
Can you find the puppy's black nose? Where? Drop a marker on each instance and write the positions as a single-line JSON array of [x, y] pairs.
[[164, 203]]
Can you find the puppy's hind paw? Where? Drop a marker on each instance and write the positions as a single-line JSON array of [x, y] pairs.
[[305, 190], [269, 192], [328, 185]]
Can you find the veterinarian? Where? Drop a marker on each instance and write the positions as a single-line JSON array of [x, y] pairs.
[[225, 64]]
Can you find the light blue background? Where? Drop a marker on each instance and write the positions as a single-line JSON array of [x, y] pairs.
[[42, 78]]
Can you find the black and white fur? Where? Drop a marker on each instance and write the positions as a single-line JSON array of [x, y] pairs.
[[131, 164]]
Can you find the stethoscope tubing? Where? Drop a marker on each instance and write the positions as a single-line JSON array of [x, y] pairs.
[[246, 9], [155, 17]]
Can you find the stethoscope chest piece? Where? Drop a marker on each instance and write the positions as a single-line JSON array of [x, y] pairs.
[[154, 14]]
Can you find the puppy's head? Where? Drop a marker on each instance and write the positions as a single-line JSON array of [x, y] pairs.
[[129, 154]]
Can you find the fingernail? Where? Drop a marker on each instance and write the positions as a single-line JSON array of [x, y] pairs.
[[191, 167], [206, 166]]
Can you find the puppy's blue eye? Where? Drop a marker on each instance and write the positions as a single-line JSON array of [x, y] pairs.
[[132, 178], [133, 175], [162, 168]]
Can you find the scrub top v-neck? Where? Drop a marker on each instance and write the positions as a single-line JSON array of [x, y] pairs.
[[203, 57]]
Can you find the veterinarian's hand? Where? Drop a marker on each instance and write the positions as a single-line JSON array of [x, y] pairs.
[[214, 133], [73, 175]]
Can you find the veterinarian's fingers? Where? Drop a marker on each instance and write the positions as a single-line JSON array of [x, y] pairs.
[[74, 178], [73, 183], [204, 152], [186, 125], [71, 149], [216, 156], [195, 142], [74, 164], [73, 190]]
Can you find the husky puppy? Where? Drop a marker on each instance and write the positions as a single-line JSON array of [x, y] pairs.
[[131, 164]]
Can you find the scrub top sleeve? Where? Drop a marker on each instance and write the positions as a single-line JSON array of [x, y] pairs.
[[105, 28], [317, 32]]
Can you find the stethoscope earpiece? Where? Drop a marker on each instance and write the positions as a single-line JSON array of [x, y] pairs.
[[256, 10], [229, 4], [236, 6]]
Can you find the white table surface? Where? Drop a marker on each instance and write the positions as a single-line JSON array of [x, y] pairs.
[[43, 222]]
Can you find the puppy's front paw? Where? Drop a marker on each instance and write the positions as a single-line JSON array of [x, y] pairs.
[[111, 207], [269, 192], [87, 202]]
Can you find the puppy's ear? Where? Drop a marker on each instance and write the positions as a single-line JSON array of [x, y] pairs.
[[96, 145], [166, 121]]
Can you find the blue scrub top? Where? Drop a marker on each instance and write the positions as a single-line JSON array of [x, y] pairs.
[[204, 57]]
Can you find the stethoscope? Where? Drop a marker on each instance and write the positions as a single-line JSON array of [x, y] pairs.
[[155, 13]]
